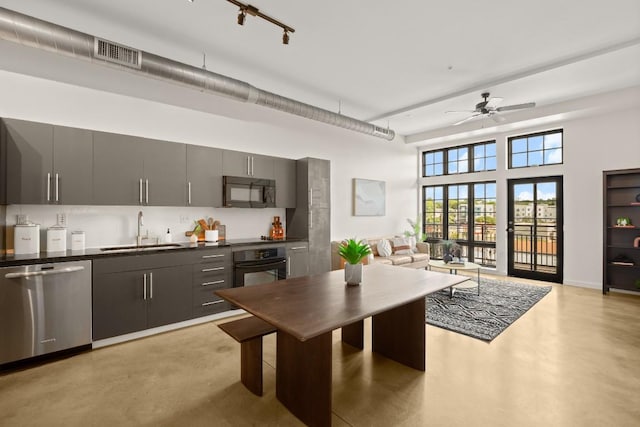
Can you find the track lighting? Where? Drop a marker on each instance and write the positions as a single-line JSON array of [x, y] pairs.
[[253, 11]]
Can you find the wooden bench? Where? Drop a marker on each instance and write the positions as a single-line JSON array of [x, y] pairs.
[[249, 331]]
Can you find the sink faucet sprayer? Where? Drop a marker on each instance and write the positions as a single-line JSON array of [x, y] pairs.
[[140, 224]]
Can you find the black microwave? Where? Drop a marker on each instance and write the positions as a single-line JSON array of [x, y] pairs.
[[245, 192]]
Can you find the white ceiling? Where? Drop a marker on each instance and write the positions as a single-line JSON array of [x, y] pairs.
[[400, 64]]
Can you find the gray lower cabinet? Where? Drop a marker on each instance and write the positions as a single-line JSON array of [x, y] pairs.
[[212, 270], [129, 170], [45, 163], [133, 293], [297, 259], [237, 163], [310, 220], [285, 175], [204, 176]]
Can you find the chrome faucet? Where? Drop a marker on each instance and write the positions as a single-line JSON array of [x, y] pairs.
[[140, 224]]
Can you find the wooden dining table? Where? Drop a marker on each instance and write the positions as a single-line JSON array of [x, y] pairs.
[[305, 311]]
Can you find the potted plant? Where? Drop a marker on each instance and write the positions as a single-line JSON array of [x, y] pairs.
[[353, 251]]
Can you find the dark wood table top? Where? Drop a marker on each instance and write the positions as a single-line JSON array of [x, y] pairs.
[[308, 306]]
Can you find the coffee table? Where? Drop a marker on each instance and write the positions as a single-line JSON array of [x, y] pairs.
[[453, 269]]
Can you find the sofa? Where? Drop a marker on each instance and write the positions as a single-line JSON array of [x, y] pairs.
[[405, 252]]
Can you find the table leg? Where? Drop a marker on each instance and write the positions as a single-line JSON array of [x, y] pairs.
[[353, 334], [399, 334], [303, 377]]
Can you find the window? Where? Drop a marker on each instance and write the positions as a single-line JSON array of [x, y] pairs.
[[536, 149], [463, 159], [457, 221], [484, 157], [458, 160], [433, 162]]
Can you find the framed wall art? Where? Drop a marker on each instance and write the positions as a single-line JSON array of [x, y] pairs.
[[368, 197]]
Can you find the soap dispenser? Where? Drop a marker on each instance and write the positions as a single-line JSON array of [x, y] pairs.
[[167, 237]]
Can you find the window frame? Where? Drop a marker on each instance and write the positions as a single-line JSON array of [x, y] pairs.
[[528, 151], [471, 158]]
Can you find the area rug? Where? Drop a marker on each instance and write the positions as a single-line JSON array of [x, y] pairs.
[[487, 315]]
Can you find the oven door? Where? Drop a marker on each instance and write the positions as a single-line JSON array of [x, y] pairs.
[[250, 273]]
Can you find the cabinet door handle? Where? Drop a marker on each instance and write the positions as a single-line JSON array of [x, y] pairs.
[[249, 165], [150, 285], [216, 282], [310, 219], [205, 270], [57, 187], [48, 187], [189, 193], [252, 171], [144, 286], [288, 266], [146, 190], [212, 303], [213, 256], [140, 191], [311, 197], [297, 247]]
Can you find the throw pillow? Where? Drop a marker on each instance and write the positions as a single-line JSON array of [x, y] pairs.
[[384, 247], [402, 246]]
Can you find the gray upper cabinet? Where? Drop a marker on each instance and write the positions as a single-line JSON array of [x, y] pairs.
[[204, 176], [129, 170], [285, 173], [46, 163], [117, 169], [72, 166], [237, 163]]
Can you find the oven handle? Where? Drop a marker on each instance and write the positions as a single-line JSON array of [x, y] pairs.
[[260, 265]]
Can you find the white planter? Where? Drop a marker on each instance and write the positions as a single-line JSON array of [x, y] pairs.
[[353, 274]]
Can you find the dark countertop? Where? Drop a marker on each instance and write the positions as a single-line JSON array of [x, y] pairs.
[[8, 260]]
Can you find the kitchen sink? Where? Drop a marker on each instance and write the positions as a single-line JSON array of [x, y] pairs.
[[135, 248]]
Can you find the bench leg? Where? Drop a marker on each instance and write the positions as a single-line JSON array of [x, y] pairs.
[[251, 365]]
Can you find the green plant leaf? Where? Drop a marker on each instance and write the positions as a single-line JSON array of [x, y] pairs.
[[353, 251]]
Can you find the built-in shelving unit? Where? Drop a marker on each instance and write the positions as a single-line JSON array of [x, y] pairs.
[[621, 260]]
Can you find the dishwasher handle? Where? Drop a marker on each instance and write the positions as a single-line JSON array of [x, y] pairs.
[[43, 272]]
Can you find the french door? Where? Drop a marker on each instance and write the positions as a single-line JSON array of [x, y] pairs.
[[535, 228]]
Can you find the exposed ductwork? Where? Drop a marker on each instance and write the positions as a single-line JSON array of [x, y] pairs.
[[33, 32]]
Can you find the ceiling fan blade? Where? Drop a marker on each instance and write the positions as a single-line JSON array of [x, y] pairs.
[[493, 102], [516, 106], [467, 119]]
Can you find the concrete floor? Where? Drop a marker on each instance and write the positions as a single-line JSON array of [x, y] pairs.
[[572, 360]]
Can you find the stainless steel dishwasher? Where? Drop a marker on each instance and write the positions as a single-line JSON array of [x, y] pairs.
[[44, 308]]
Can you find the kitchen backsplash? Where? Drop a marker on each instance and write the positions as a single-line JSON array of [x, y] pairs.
[[117, 225]]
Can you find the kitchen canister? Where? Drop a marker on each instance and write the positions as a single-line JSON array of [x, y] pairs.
[[210, 235], [56, 239], [77, 240]]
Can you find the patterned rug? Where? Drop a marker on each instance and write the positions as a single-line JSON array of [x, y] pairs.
[[485, 316]]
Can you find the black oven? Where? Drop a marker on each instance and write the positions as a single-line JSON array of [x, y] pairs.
[[258, 266], [244, 192]]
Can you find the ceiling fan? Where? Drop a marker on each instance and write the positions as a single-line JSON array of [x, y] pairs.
[[488, 108]]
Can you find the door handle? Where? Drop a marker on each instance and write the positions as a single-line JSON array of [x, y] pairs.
[[140, 191], [249, 165], [189, 193], [146, 190], [57, 187], [150, 285], [144, 286], [48, 187]]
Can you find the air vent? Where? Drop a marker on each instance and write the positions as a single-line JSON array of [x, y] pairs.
[[116, 53], [377, 130]]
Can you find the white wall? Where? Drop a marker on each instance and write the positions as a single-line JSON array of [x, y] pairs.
[[591, 145], [352, 155]]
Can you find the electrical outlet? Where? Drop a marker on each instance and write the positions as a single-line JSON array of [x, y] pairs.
[[61, 219], [184, 219]]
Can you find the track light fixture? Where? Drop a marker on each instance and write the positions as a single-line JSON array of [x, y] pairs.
[[253, 11]]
